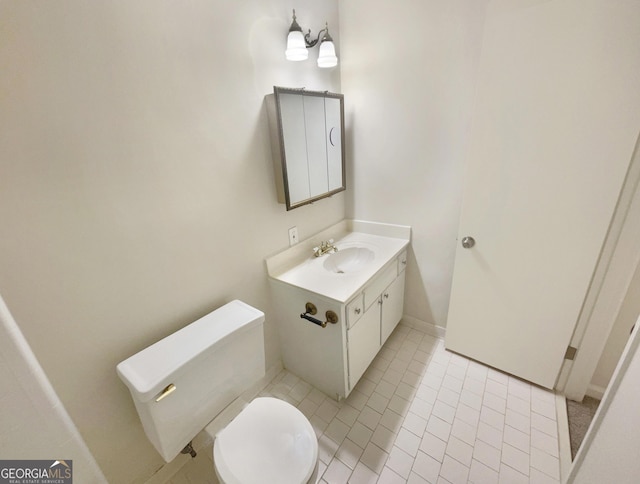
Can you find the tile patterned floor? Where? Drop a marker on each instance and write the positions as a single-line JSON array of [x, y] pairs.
[[421, 414]]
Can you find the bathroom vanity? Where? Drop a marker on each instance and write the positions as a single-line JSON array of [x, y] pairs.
[[356, 298]]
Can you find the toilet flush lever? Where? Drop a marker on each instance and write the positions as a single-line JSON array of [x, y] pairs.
[[168, 390]]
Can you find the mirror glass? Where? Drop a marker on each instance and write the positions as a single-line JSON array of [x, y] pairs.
[[307, 141]]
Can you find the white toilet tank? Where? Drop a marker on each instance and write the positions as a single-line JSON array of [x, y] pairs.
[[200, 369]]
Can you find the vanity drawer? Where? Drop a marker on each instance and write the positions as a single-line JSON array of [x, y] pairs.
[[402, 262], [355, 310], [380, 282]]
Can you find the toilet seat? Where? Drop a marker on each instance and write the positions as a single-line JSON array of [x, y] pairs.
[[269, 441]]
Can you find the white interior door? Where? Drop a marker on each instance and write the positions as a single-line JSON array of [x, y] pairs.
[[557, 114]]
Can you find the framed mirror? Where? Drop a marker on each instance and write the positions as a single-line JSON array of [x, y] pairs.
[[307, 140]]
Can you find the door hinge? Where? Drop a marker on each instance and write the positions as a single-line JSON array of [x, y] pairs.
[[570, 354]]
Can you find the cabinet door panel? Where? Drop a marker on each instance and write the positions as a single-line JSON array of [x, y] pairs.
[[316, 144], [364, 343], [334, 142], [392, 304], [295, 146]]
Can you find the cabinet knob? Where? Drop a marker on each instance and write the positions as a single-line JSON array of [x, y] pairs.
[[357, 310], [386, 296]]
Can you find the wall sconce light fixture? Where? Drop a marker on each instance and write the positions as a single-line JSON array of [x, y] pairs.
[[298, 43]]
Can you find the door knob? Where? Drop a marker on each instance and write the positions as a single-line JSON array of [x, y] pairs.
[[468, 242]]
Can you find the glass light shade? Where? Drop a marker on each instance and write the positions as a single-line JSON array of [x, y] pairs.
[[296, 47], [327, 55]]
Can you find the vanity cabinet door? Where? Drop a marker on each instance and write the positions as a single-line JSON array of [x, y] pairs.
[[363, 341], [392, 304]]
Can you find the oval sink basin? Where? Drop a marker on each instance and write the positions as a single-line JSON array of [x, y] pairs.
[[351, 259]]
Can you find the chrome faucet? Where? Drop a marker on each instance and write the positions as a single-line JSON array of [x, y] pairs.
[[325, 248]]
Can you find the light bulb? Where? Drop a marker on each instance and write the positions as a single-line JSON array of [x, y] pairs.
[[327, 55], [296, 47]]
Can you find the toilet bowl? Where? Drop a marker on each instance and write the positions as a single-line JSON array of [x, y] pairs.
[[270, 441], [181, 383]]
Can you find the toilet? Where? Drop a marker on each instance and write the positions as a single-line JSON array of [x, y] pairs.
[[184, 381]]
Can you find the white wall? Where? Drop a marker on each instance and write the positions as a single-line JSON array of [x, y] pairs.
[[408, 73], [44, 429], [136, 185]]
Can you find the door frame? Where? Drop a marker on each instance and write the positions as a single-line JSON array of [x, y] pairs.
[[584, 453], [619, 258]]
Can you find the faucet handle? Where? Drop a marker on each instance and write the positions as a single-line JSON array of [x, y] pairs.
[[330, 241]]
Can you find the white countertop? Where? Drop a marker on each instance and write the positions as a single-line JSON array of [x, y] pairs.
[[302, 269]]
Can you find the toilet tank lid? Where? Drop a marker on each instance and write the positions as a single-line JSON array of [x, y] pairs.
[[146, 373]]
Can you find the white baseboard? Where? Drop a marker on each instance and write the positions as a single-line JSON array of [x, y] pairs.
[[595, 391], [429, 328]]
